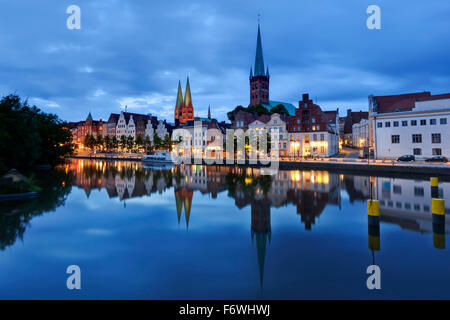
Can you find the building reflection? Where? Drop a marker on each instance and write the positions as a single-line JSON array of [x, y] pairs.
[[407, 203], [403, 202]]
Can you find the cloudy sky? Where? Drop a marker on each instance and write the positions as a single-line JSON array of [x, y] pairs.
[[134, 52]]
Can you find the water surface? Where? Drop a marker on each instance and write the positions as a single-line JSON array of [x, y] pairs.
[[197, 232]]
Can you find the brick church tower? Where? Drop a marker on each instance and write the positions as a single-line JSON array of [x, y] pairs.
[[184, 109], [259, 80]]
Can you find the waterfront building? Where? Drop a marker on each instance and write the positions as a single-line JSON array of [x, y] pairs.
[[90, 126], [112, 125], [360, 134], [310, 132], [409, 124], [275, 125], [131, 124]]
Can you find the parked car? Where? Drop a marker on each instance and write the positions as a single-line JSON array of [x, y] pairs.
[[437, 159], [406, 158]]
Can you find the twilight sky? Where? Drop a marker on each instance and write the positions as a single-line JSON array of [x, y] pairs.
[[134, 52]]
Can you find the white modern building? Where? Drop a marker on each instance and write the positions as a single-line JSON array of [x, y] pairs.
[[276, 127], [411, 124], [360, 134]]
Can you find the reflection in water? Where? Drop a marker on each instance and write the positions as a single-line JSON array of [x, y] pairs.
[[16, 215], [405, 203]]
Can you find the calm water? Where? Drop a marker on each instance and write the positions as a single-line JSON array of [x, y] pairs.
[[197, 232]]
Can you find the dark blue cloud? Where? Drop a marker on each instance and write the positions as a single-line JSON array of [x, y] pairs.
[[134, 52]]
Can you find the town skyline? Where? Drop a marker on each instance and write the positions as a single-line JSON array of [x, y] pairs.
[[74, 72]]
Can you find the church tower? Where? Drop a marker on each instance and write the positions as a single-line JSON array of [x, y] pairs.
[[179, 104], [259, 79], [187, 113]]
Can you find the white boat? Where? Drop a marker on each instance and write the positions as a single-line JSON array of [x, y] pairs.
[[157, 158]]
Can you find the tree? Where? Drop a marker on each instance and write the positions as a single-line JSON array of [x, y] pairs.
[[99, 142], [140, 141], [29, 136], [130, 142], [123, 141], [107, 142], [280, 109], [157, 142], [147, 143], [167, 143], [231, 114], [89, 141], [114, 143]]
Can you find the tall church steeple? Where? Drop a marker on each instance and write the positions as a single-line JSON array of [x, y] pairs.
[[259, 79], [179, 104], [184, 109], [259, 59]]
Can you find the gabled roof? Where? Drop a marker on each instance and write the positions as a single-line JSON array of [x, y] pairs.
[[114, 117], [136, 117]]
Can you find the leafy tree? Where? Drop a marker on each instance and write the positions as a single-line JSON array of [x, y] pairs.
[[89, 141], [259, 109], [147, 143], [29, 136], [99, 142], [157, 142], [123, 141], [231, 114], [114, 143], [107, 143], [280, 109], [140, 141], [167, 143], [130, 142]]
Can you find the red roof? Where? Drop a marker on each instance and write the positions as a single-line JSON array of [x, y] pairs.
[[400, 102]]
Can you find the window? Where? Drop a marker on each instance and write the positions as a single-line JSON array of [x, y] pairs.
[[313, 120], [417, 151], [314, 137], [404, 123], [433, 122], [322, 149], [387, 124], [414, 122], [437, 152], [395, 138], [423, 122], [435, 138], [397, 189], [443, 120], [419, 192], [417, 138], [322, 137], [395, 123], [379, 125]]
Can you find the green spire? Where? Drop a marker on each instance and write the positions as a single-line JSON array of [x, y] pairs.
[[179, 96], [259, 60], [187, 96], [89, 117]]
